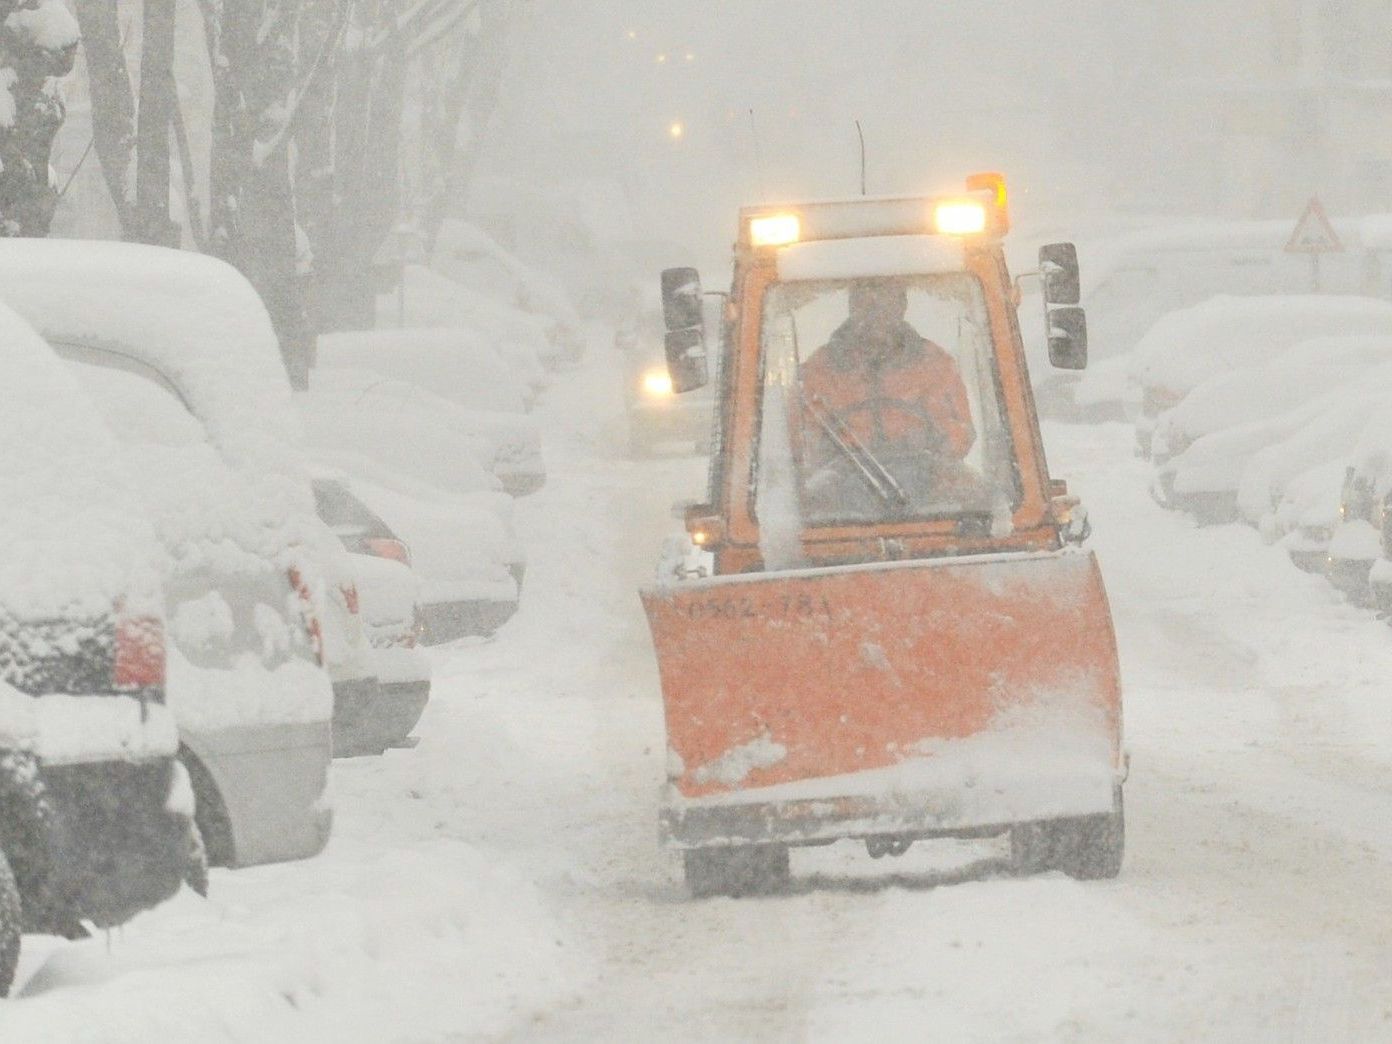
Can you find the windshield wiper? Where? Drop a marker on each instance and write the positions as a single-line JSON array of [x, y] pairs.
[[876, 475]]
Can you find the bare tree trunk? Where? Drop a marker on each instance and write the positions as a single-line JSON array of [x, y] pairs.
[[152, 223], [367, 147], [113, 107], [252, 206]]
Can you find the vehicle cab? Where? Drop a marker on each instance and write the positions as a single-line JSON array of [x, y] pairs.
[[825, 493]]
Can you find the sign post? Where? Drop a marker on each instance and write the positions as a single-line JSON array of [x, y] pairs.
[[403, 246], [1314, 235]]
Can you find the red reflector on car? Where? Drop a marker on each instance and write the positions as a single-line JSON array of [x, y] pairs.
[[308, 613], [139, 659]]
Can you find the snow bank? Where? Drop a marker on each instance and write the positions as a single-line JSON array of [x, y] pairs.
[[406, 945]]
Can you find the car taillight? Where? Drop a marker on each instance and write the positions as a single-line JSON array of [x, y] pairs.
[[350, 597], [139, 659], [308, 613], [389, 547]]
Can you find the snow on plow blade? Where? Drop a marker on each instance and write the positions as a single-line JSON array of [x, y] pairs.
[[920, 697]]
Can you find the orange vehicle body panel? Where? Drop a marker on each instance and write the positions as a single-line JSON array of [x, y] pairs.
[[851, 669]]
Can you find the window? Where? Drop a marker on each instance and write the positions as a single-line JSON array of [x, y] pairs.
[[880, 404]]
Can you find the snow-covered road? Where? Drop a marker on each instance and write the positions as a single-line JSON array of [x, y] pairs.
[[503, 880]]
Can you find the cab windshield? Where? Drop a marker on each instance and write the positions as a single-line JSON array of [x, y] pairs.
[[881, 403]]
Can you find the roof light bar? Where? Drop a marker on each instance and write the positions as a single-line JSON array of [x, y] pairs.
[[981, 210], [959, 217], [774, 230]]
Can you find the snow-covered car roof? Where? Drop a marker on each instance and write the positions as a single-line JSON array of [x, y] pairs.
[[1225, 332], [1251, 393], [432, 300], [398, 424], [193, 318], [458, 242], [75, 537], [455, 363]]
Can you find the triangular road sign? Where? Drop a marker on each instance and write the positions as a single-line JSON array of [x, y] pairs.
[[1313, 233]]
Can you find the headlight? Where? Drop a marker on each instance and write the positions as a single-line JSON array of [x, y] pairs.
[[657, 384]]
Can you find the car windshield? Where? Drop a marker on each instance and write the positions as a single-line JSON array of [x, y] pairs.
[[881, 403]]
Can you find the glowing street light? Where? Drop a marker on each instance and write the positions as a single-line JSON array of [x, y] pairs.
[[676, 130]]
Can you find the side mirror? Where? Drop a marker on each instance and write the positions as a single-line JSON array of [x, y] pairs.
[[1058, 265], [681, 298], [1067, 337], [686, 359]]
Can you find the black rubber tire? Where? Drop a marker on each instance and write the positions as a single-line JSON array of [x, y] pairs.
[[196, 862], [11, 925], [1088, 848], [210, 815], [736, 870]]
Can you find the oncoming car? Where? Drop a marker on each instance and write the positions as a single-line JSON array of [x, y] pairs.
[[656, 415]]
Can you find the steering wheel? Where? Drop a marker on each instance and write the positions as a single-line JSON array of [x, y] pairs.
[[935, 440]]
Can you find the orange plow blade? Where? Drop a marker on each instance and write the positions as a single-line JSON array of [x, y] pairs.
[[943, 696]]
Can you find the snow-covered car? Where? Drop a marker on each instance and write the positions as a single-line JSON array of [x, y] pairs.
[[432, 300], [388, 595], [1357, 546], [1307, 514], [1241, 471], [408, 426], [96, 814], [463, 551], [180, 356], [1135, 277], [468, 255], [463, 546], [1268, 389], [1189, 346]]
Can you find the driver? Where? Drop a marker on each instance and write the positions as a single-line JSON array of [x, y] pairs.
[[893, 390]]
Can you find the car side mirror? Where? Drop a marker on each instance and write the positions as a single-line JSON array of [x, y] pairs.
[[686, 359], [1058, 266], [1067, 337], [681, 298]]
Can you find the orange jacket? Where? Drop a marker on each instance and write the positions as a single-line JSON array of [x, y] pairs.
[[908, 396]]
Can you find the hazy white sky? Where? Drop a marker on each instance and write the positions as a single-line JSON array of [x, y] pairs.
[[1242, 109]]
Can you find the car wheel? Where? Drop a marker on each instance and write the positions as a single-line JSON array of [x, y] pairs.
[[1088, 848], [735, 871], [196, 862], [11, 921]]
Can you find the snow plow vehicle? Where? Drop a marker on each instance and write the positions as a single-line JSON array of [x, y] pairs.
[[900, 637]]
